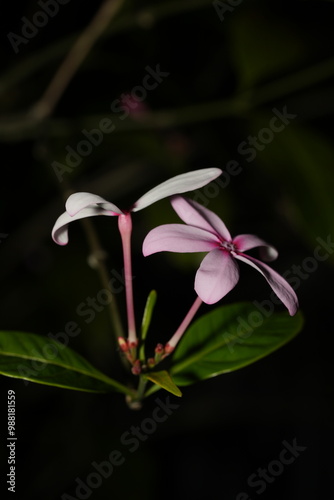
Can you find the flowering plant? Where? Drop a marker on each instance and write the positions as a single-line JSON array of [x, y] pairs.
[[214, 344]]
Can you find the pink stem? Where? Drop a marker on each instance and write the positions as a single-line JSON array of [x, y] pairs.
[[125, 228], [170, 346]]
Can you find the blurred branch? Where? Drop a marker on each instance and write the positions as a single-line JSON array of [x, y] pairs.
[[77, 54], [297, 81], [144, 18], [16, 128], [97, 259], [46, 105]]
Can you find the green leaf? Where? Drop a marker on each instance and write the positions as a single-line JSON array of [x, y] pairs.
[[147, 316], [150, 303], [33, 358], [229, 338], [164, 380]]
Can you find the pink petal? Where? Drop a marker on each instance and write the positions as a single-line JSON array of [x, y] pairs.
[[217, 275], [60, 231], [79, 201], [196, 215], [176, 185], [279, 285], [245, 242], [178, 238]]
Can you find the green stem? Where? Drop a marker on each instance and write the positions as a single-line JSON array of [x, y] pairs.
[[141, 388], [134, 401]]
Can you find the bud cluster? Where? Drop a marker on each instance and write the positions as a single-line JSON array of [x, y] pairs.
[[129, 349]]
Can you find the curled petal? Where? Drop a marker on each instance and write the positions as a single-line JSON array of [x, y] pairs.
[[178, 238], [217, 275], [195, 214], [60, 229], [79, 201], [279, 285], [245, 242], [176, 185]]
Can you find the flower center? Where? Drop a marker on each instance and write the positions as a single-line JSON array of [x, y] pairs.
[[229, 246]]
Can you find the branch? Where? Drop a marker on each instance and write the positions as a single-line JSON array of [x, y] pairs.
[[75, 57]]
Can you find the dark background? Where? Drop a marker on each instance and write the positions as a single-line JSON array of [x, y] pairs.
[[226, 77]]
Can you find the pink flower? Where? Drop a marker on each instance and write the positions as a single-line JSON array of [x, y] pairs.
[[81, 205], [219, 271]]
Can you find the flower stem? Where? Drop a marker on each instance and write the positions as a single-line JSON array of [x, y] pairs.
[[125, 228], [170, 346]]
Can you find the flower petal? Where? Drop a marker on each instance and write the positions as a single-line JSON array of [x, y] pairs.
[[178, 238], [176, 185], [217, 275], [245, 242], [60, 231], [279, 285], [79, 201], [196, 215]]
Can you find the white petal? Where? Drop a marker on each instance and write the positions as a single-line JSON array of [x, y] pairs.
[[79, 201], [176, 185], [60, 229]]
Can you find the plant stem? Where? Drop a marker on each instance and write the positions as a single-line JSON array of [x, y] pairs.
[[141, 388], [125, 228], [184, 325], [134, 401]]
